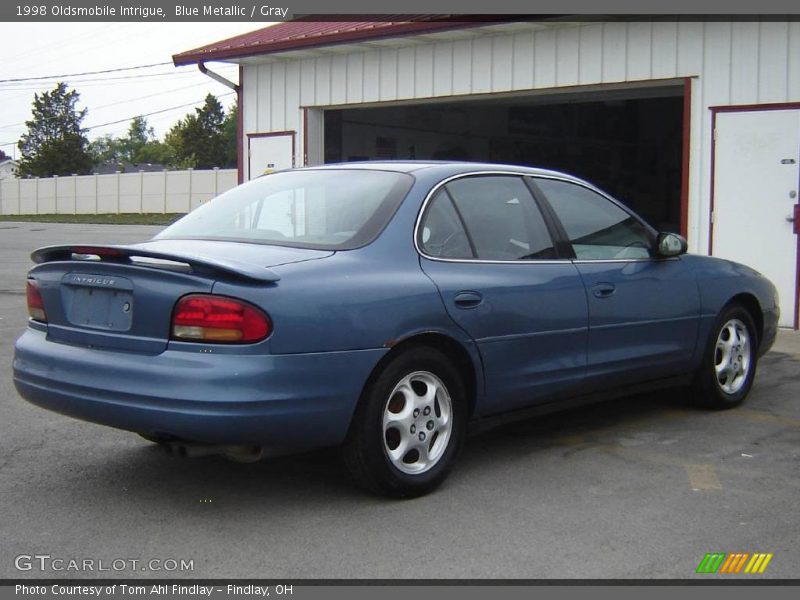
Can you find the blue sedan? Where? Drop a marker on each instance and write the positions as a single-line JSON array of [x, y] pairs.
[[384, 307]]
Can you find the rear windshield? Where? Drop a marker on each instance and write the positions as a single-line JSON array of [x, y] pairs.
[[323, 209]]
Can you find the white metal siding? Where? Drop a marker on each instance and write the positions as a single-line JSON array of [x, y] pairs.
[[733, 63]]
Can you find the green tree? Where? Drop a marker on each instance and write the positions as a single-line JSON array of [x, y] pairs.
[[229, 131], [198, 139], [55, 143], [156, 152], [140, 145], [139, 135], [105, 149], [3, 155]]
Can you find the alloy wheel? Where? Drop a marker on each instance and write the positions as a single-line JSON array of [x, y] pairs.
[[732, 356], [417, 422]]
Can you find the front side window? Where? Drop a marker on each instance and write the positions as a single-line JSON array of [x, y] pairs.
[[323, 209], [597, 228], [488, 218]]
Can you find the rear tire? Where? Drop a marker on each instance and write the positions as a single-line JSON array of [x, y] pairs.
[[409, 425], [729, 362]]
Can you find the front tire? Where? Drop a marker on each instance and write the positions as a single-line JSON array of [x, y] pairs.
[[409, 425], [730, 361]]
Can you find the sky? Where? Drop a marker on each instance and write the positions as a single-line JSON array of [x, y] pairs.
[[43, 49]]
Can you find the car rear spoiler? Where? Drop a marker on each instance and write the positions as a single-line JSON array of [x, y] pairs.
[[126, 254]]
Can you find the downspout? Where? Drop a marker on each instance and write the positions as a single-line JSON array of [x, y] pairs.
[[217, 77], [238, 89]]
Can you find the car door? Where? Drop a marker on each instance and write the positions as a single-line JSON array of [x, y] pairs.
[[643, 309], [485, 243]]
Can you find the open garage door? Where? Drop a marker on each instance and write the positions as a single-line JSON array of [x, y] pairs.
[[628, 142]]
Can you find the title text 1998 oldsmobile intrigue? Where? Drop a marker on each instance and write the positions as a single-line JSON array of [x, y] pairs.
[[383, 307]]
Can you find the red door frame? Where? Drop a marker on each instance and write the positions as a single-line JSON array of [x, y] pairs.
[[240, 127], [715, 110], [685, 155]]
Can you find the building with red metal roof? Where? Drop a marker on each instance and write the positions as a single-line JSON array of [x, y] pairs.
[[635, 106]]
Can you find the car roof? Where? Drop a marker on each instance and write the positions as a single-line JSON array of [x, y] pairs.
[[443, 168]]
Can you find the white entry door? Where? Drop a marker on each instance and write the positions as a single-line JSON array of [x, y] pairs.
[[756, 180], [269, 152]]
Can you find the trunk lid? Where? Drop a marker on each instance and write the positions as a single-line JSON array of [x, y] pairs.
[[122, 297], [257, 255]]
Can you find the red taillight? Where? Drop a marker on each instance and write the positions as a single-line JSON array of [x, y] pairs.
[[204, 318], [35, 303]]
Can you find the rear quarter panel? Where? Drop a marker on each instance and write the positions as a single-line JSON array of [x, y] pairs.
[[350, 301]]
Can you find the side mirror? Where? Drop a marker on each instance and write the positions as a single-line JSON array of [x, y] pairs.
[[671, 244]]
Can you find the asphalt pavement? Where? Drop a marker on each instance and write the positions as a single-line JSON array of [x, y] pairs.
[[641, 487]]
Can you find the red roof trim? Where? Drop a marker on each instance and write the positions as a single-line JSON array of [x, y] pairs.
[[306, 33]]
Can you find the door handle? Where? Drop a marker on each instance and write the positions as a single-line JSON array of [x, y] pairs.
[[603, 290], [467, 299]]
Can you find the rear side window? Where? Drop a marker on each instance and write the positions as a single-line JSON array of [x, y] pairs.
[[501, 218], [597, 228], [442, 233]]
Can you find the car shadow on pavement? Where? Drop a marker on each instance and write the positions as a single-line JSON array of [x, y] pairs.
[[317, 478], [314, 479]]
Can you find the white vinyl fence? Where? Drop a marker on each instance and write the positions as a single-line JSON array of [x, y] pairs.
[[140, 192]]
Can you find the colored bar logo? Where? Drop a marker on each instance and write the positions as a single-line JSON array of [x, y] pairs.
[[734, 563]]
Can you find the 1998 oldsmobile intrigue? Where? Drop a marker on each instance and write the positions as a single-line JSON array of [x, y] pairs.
[[382, 307]]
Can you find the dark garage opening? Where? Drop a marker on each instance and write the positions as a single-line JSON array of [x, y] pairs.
[[627, 142]]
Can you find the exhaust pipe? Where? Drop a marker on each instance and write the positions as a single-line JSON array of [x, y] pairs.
[[245, 454], [242, 454]]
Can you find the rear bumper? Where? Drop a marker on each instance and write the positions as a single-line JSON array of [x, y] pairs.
[[284, 401]]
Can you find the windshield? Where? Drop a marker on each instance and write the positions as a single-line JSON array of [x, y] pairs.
[[324, 209]]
